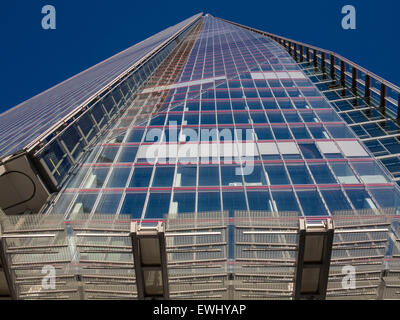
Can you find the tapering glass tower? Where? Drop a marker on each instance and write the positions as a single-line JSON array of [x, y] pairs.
[[241, 143]]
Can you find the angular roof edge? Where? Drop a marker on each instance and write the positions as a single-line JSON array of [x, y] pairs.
[[66, 98]]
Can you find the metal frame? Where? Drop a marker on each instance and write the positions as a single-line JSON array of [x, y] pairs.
[[326, 230], [139, 234]]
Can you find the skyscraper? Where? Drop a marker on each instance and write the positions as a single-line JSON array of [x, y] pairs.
[[211, 160]]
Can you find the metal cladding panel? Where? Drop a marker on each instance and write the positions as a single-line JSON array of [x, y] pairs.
[[22, 124]]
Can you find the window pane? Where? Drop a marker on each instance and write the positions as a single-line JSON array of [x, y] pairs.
[[231, 176], [300, 132], [186, 177], [318, 132], [135, 136], [109, 203], [264, 133], [191, 119], [208, 176], [282, 133], [285, 201], [370, 172], [277, 175], [209, 201], [158, 205], [275, 117], [299, 174], [133, 205], [107, 155], [234, 201], [311, 203], [128, 155], [388, 197], [335, 200], [360, 199], [84, 203], [96, 178], [164, 177], [259, 200], [344, 173], [118, 178], [141, 177], [255, 176], [225, 118], [322, 174], [310, 151], [183, 202], [258, 117], [158, 120]]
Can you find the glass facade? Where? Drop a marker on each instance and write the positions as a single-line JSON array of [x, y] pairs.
[[239, 127], [226, 143]]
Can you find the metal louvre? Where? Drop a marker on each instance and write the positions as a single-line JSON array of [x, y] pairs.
[[253, 255], [198, 264], [361, 245], [265, 254]]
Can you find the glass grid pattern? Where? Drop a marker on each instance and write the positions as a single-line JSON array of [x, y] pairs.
[[304, 160]]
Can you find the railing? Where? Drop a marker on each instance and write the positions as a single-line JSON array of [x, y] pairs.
[[384, 94]]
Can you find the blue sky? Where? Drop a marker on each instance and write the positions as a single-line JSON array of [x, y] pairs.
[[33, 60]]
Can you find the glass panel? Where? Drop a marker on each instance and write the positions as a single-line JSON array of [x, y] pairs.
[[360, 199], [277, 175], [318, 132], [164, 177], [231, 176], [285, 201], [322, 174], [259, 200], [299, 174], [118, 178], [344, 173], [310, 151], [133, 205], [191, 119], [128, 154], [335, 200], [96, 178], [388, 197], [183, 202], [263, 133], [311, 203], [135, 136], [208, 176], [158, 120], [370, 172], [234, 201], [209, 201], [141, 177], [254, 175], [109, 203], [63, 203], [300, 132], [158, 205], [282, 133], [186, 177], [340, 131], [107, 155], [84, 203]]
